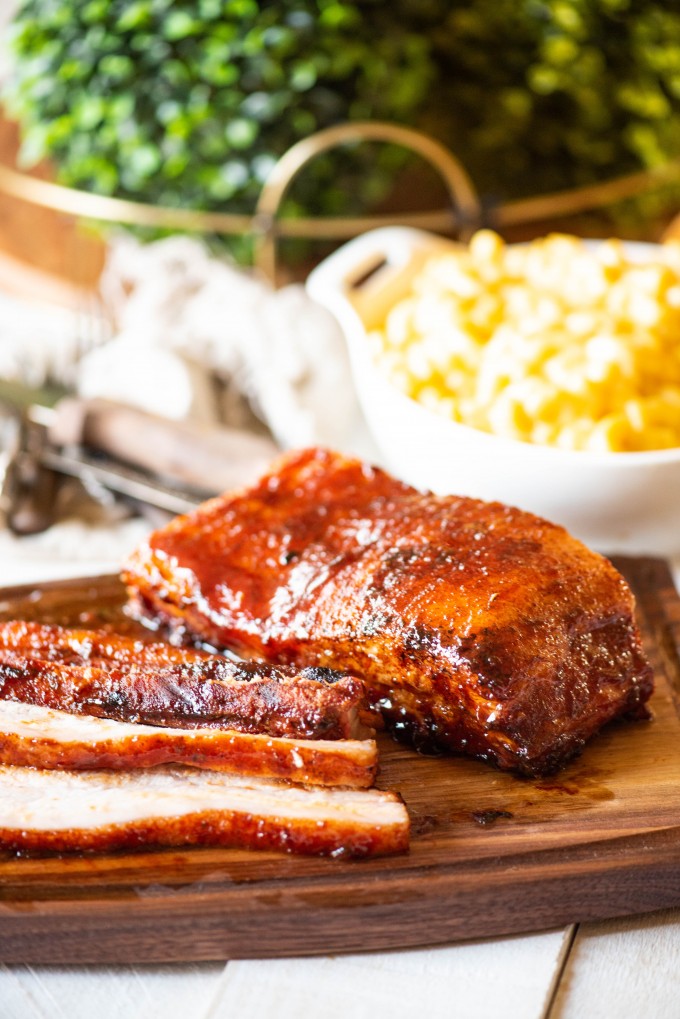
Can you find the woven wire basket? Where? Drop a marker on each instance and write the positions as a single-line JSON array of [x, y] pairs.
[[465, 213]]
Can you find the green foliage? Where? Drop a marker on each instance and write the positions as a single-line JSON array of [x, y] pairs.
[[190, 102], [538, 95]]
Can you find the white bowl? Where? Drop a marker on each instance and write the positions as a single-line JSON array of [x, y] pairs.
[[615, 502]]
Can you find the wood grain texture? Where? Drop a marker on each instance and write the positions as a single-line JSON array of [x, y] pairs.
[[491, 853]]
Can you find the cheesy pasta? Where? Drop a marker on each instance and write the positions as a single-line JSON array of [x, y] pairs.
[[553, 342]]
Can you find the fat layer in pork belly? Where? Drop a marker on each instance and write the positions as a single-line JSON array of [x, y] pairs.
[[61, 811], [87, 672], [40, 737], [476, 626]]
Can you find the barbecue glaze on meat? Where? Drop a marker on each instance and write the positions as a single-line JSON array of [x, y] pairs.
[[477, 627], [38, 737], [101, 648], [95, 673], [96, 811]]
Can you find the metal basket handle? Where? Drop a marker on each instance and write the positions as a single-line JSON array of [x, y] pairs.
[[467, 206]]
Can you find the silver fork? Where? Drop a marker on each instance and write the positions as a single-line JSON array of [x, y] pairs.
[[28, 489]]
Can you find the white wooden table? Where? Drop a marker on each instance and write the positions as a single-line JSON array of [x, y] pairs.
[[620, 969]]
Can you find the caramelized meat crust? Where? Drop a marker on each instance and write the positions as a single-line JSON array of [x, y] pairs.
[[476, 627], [92, 673], [101, 648], [97, 811], [38, 737]]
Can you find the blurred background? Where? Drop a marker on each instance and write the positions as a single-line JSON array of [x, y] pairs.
[[190, 104], [558, 114]]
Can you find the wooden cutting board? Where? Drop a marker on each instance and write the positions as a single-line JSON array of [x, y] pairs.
[[491, 854]]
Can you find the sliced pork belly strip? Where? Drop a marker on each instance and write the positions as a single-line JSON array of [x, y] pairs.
[[42, 738], [91, 647], [476, 627], [60, 811], [213, 692]]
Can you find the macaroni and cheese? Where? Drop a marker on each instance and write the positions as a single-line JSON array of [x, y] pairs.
[[553, 342]]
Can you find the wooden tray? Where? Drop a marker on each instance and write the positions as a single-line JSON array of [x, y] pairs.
[[491, 854]]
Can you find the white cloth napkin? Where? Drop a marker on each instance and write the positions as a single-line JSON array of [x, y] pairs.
[[194, 338], [185, 318]]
